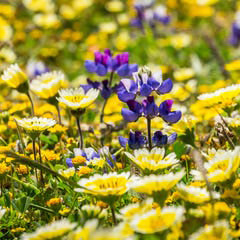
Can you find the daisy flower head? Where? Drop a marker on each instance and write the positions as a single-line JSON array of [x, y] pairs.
[[156, 183], [219, 230], [221, 167], [93, 211], [157, 220], [35, 125], [105, 186], [131, 210], [84, 232], [152, 160], [195, 194], [53, 230], [76, 98], [14, 77], [48, 84]]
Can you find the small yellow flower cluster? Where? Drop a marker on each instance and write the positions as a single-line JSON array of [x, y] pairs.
[[54, 201]]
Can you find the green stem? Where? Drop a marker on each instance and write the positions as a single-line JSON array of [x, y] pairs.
[[35, 156], [149, 133], [40, 158], [59, 114], [31, 101], [113, 214], [79, 132], [20, 137]]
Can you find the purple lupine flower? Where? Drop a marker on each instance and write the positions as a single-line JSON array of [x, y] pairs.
[[150, 109], [103, 86], [135, 141], [145, 13], [105, 62], [159, 139], [160, 14], [100, 64], [36, 68], [166, 114], [235, 36], [69, 162], [134, 112], [105, 89], [90, 154], [147, 108], [143, 83]]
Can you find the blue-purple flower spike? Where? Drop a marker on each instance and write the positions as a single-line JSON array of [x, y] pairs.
[[105, 62]]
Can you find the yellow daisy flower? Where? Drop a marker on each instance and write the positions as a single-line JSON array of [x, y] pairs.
[[152, 160], [76, 98]]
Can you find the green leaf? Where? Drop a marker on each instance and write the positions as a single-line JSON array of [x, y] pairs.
[[21, 204], [188, 137]]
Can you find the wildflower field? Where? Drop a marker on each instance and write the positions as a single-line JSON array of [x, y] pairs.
[[120, 119]]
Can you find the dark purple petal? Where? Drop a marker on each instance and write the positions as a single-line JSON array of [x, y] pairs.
[[135, 106], [129, 115], [124, 58], [150, 109], [69, 162], [101, 70], [98, 57], [159, 139], [165, 107], [145, 90], [165, 87], [136, 140], [132, 68], [106, 91], [153, 83], [107, 51], [123, 70], [123, 141], [172, 117], [90, 66]]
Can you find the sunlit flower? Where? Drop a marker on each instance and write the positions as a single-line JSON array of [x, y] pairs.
[[6, 31], [82, 170], [156, 183], [93, 211], [195, 194], [111, 184], [54, 201], [85, 231], [157, 220], [50, 155], [36, 125], [48, 84], [131, 210], [14, 76], [221, 167], [152, 160], [220, 230], [68, 172], [4, 168], [53, 230], [77, 98], [183, 74]]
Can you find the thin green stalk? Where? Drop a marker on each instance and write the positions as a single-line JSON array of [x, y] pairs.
[[149, 133], [113, 214], [40, 158], [59, 114], [79, 132], [31, 101], [20, 137], [35, 156]]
